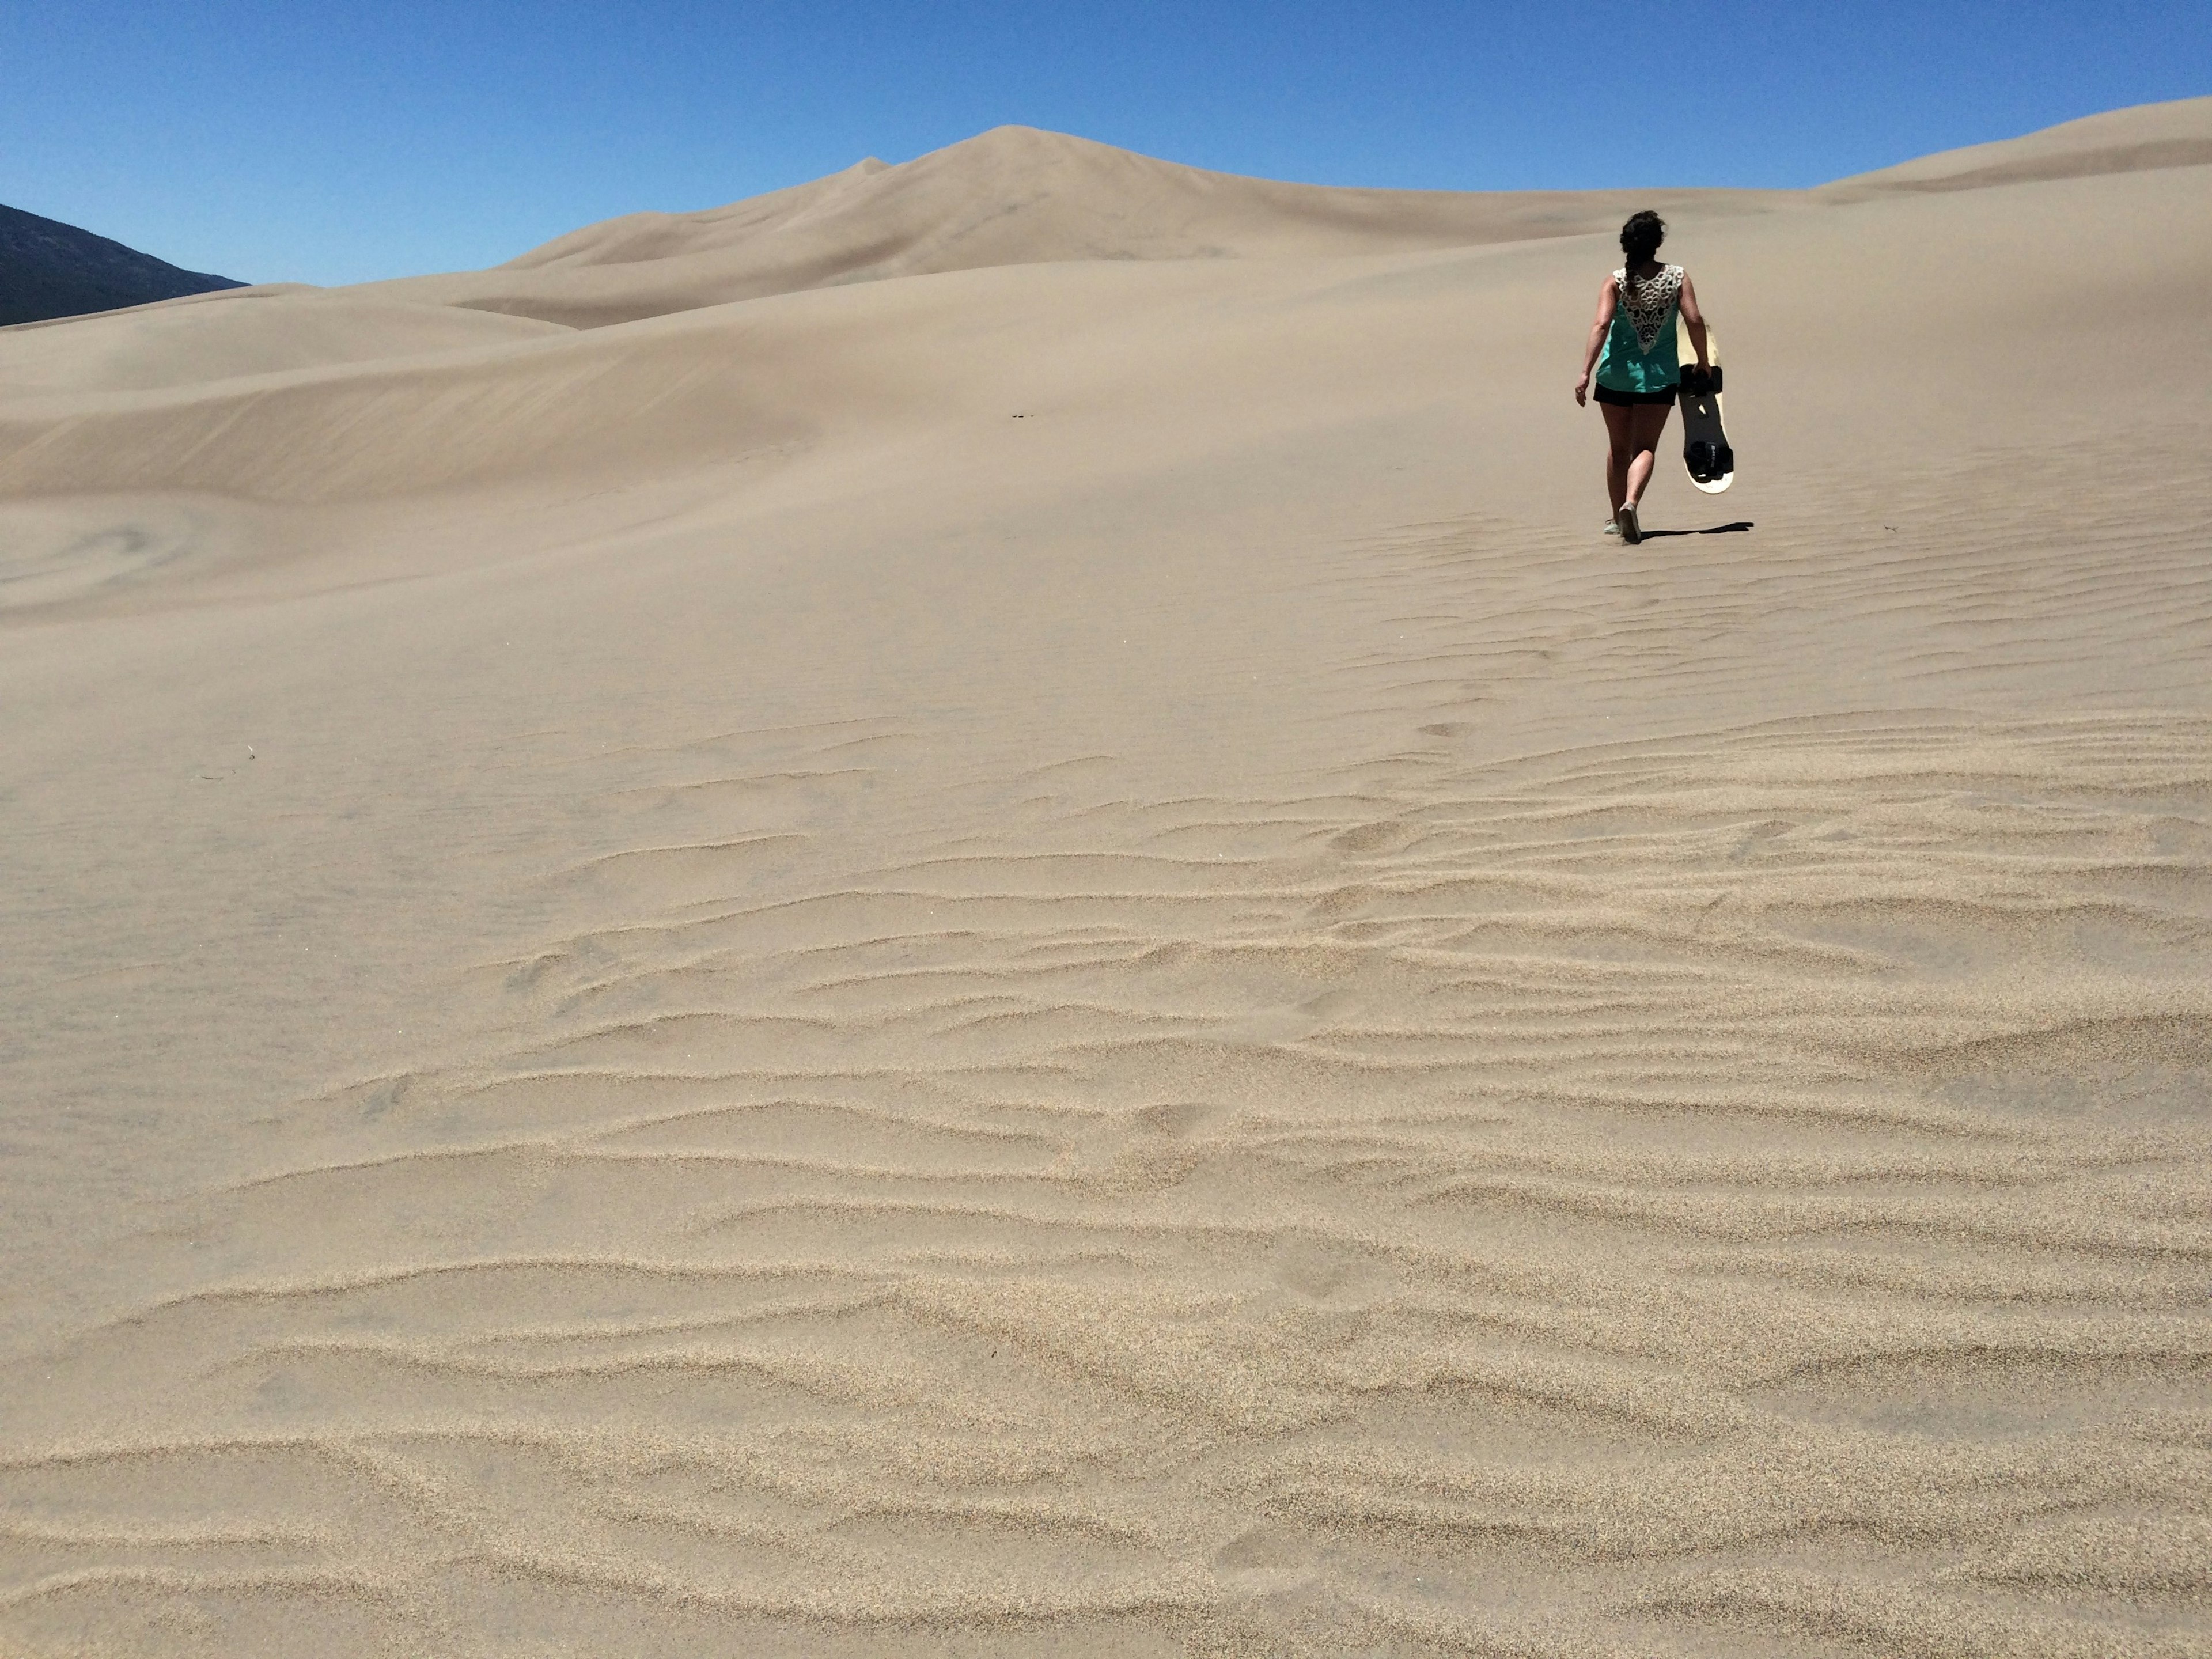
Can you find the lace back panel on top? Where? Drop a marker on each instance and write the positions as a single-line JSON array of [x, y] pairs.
[[1654, 304]]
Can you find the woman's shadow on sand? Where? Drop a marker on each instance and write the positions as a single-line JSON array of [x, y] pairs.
[[1716, 530]]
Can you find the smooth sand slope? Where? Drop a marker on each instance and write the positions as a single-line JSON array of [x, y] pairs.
[[1043, 955]]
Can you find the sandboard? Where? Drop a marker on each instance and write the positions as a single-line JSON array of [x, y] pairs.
[[1705, 451]]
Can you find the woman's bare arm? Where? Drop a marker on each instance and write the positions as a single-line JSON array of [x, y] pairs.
[[1607, 299], [1694, 317]]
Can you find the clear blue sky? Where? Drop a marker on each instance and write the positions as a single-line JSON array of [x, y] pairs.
[[334, 141]]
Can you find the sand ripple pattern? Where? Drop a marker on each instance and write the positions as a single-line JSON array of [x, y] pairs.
[[1734, 1192]]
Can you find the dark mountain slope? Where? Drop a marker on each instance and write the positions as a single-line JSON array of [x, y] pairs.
[[48, 269]]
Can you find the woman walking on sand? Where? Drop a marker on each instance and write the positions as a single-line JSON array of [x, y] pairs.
[[1632, 346]]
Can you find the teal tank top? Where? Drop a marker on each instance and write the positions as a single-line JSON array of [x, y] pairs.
[[1639, 349]]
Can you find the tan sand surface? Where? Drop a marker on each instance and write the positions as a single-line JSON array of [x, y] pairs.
[[1044, 956]]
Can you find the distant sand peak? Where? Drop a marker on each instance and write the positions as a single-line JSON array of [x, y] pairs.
[[1021, 195], [2147, 136]]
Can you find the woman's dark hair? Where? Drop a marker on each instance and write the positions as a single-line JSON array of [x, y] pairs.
[[1639, 240]]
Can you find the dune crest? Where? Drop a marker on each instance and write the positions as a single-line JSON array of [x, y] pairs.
[[1021, 196], [1012, 196], [2151, 135]]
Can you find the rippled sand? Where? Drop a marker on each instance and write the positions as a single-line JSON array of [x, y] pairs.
[[1048, 957]]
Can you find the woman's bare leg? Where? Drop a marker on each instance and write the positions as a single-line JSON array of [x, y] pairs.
[[1617, 454], [1645, 422]]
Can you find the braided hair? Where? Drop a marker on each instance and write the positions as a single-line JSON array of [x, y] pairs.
[[1639, 240]]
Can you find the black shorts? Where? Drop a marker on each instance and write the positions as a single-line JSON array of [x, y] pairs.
[[1606, 394]]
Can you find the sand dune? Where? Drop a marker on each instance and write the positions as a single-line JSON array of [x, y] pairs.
[[1013, 196], [2175, 135], [1041, 954], [159, 347]]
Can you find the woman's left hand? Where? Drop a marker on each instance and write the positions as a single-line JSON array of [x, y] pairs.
[[1582, 392]]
